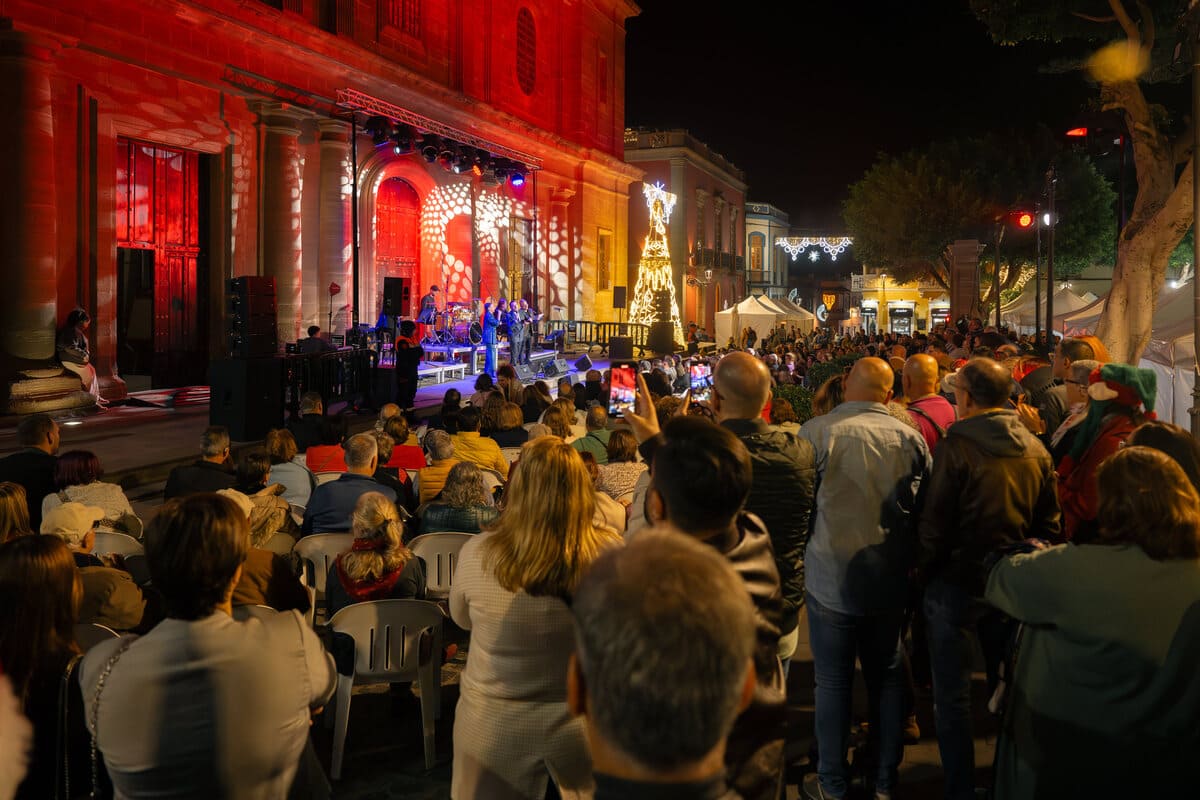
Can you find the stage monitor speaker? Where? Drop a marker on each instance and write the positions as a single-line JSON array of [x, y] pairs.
[[561, 367], [619, 296], [620, 348], [584, 363], [525, 373], [246, 396], [397, 298], [661, 338], [550, 369]]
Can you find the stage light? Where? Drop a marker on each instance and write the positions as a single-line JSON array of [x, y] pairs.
[[430, 146], [517, 178], [380, 129], [445, 156], [402, 140]]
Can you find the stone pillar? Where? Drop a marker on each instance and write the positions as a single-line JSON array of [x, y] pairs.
[[29, 207], [964, 278], [677, 225], [563, 277], [281, 213], [333, 250]]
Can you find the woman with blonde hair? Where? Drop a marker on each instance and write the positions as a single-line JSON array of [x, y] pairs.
[[512, 729], [559, 421], [14, 512], [378, 565], [1106, 672]]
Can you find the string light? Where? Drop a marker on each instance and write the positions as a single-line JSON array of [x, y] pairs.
[[833, 246], [655, 274]]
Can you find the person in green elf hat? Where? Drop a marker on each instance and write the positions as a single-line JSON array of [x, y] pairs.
[[1122, 397]]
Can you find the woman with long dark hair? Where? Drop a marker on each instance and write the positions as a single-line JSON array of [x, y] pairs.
[[71, 346]]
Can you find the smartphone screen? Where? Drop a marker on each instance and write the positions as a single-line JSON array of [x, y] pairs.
[[701, 382], [623, 388]]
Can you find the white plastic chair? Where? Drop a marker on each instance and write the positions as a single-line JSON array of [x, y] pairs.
[[326, 477], [319, 551], [491, 479], [387, 649], [279, 543], [440, 553], [297, 512], [90, 634], [120, 543], [258, 611]]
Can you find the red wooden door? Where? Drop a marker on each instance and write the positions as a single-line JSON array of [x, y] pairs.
[[398, 237], [158, 209]]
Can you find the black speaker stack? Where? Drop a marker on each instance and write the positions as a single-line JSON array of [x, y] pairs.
[[619, 296], [250, 316], [397, 297], [620, 348], [661, 337], [556, 368], [246, 396]]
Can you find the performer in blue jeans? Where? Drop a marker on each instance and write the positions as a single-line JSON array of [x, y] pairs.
[[491, 322]]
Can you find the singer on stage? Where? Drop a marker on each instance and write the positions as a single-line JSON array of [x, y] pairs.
[[491, 324]]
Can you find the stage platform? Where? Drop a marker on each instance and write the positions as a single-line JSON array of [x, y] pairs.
[[472, 356]]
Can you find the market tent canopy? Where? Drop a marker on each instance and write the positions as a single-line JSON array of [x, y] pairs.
[[1020, 312], [804, 320], [750, 313]]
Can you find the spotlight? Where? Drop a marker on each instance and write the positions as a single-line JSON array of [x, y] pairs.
[[483, 159], [380, 129], [402, 140], [463, 160], [445, 156], [430, 146], [517, 178]]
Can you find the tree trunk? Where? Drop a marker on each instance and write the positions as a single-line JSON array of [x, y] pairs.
[[1141, 270]]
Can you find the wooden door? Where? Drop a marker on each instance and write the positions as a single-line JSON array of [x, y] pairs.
[[398, 238]]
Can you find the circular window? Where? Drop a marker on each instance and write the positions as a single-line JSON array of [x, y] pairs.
[[526, 51]]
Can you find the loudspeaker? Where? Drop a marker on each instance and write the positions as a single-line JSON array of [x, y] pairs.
[[525, 373], [246, 396], [584, 363], [397, 297], [619, 296], [662, 305], [556, 368], [661, 338], [620, 347], [250, 313]]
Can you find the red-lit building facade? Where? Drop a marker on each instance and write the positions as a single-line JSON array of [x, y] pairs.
[[156, 149], [707, 229]]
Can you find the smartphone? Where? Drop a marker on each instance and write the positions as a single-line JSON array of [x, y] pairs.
[[623, 387], [701, 382]]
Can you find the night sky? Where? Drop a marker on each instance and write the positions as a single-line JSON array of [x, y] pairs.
[[803, 98]]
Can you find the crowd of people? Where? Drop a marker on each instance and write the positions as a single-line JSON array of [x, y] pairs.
[[635, 589]]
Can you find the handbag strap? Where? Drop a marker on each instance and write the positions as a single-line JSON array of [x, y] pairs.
[[63, 738], [108, 667]]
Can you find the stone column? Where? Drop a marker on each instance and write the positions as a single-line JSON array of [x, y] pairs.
[[563, 278], [29, 207], [281, 213], [333, 251], [677, 225]]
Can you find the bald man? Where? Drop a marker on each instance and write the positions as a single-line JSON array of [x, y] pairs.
[[932, 412], [782, 492], [870, 466]]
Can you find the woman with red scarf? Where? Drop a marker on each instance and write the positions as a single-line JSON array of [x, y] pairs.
[[378, 565]]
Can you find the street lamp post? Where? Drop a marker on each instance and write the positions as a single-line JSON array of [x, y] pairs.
[[1051, 181]]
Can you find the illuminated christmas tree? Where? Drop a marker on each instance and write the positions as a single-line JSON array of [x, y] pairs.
[[656, 278]]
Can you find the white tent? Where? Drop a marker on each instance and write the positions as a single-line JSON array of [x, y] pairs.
[[1020, 312], [803, 319], [749, 313]]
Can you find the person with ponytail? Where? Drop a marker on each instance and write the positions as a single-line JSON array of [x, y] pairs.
[[378, 565]]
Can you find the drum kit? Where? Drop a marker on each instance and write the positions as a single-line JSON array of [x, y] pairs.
[[457, 325]]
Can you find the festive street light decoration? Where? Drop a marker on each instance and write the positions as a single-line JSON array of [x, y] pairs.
[[656, 278], [833, 246]]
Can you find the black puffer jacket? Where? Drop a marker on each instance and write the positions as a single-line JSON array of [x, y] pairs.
[[782, 497]]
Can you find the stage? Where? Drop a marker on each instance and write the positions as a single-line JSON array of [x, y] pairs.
[[472, 356]]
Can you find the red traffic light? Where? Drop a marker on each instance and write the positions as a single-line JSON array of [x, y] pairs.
[[1024, 219], [1078, 132]]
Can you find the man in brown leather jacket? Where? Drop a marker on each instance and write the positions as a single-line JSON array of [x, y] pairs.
[[992, 484]]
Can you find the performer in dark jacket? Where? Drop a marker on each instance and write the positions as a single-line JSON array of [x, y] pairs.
[[491, 339]]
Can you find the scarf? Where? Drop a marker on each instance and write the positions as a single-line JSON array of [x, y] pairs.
[[361, 591]]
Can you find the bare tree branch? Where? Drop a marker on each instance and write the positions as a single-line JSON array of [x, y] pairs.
[[1148, 25], [1127, 23], [1090, 18]]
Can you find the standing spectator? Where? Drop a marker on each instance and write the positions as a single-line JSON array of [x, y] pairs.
[[39, 606], [1047, 393], [932, 412], [33, 465], [657, 608], [211, 473], [470, 446], [869, 470], [512, 728], [1173, 440], [595, 441], [14, 513], [430, 480], [783, 415], [332, 504], [1119, 393], [297, 479], [1106, 694], [992, 485], [464, 504], [408, 364], [200, 671], [77, 476], [377, 567]]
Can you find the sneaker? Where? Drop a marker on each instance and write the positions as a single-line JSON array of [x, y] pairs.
[[811, 790]]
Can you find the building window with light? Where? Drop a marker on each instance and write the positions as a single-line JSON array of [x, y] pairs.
[[757, 243], [604, 260], [526, 51]]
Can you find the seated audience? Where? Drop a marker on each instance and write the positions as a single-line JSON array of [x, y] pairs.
[[271, 514], [378, 565], [512, 389], [595, 438], [392, 477], [447, 417], [1105, 695], [560, 417], [332, 504], [14, 513], [620, 473], [77, 476], [201, 701], [591, 391], [609, 513], [407, 452], [311, 427], [386, 412], [511, 431], [329, 453], [470, 446], [110, 597], [211, 473], [489, 414], [537, 400], [465, 504], [39, 605], [484, 386], [297, 480], [658, 607], [430, 480], [32, 467], [512, 728], [267, 578]]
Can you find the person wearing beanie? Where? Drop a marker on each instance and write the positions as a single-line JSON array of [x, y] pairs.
[[1121, 398]]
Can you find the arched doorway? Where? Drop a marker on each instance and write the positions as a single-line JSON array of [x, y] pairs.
[[398, 238]]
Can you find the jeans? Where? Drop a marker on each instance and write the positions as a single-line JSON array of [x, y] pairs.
[[951, 613], [835, 639], [489, 358]]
